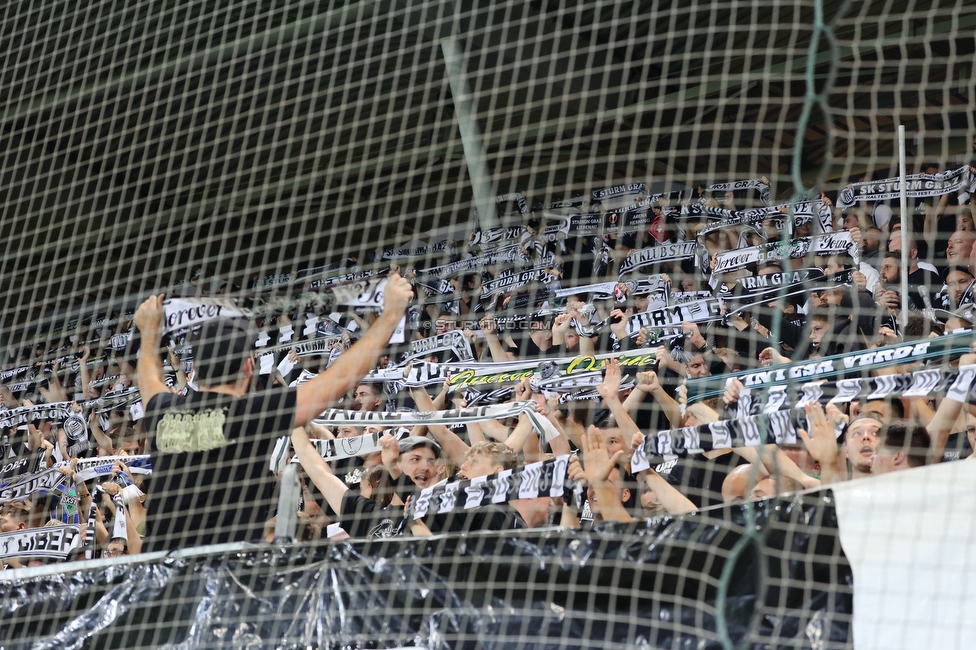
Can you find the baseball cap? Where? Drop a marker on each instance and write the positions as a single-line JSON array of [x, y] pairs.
[[412, 442], [956, 267], [966, 313]]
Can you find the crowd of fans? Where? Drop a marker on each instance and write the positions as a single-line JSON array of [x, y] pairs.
[[535, 316]]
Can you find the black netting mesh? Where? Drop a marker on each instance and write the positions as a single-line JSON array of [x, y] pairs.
[[725, 174]]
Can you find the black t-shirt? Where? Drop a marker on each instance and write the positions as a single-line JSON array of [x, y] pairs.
[[211, 477], [699, 478], [957, 447], [923, 278], [500, 516], [362, 517]]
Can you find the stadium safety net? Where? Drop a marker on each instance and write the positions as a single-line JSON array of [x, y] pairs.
[[487, 324]]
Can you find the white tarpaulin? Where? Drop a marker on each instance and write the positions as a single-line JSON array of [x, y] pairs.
[[909, 539]]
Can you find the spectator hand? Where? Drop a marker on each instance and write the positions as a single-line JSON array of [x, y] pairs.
[[769, 357], [575, 471], [598, 463], [609, 389], [390, 450], [835, 416], [693, 333], [732, 389], [397, 295], [620, 326], [149, 315], [648, 381], [562, 323], [821, 442], [488, 325], [889, 300], [636, 442], [111, 488], [642, 337], [663, 356]]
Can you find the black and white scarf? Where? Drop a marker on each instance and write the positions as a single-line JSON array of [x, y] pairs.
[[951, 383], [657, 254], [696, 311], [317, 347], [599, 291], [19, 488], [454, 341], [56, 411], [7, 375], [777, 214], [361, 293], [761, 289], [336, 449], [496, 396], [560, 227], [111, 401], [436, 290], [943, 348], [92, 522], [918, 185], [757, 184], [505, 282], [418, 249], [628, 192], [495, 236], [611, 290], [541, 479], [778, 427], [118, 523], [353, 275], [99, 466], [182, 314], [631, 220], [505, 255], [777, 422], [823, 244], [52, 542], [104, 381], [341, 417]]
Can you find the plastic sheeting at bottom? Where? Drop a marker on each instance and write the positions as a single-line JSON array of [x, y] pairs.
[[651, 584]]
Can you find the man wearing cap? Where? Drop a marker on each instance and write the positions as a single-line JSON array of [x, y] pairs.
[[957, 280], [414, 457], [210, 450]]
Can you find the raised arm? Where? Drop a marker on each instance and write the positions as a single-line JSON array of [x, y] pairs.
[[317, 469], [490, 329], [149, 368], [450, 442], [649, 382], [610, 392], [86, 390], [598, 463], [325, 390], [821, 442], [174, 361]]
